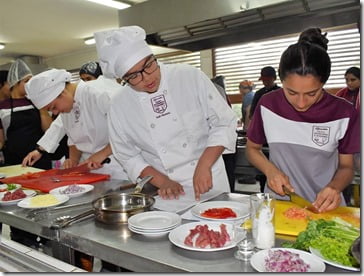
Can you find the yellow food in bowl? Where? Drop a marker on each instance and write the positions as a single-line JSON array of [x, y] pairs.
[[43, 200]]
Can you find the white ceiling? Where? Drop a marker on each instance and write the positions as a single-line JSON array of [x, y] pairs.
[[50, 28]]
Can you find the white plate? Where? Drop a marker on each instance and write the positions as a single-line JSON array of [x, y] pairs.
[[29, 193], [58, 191], [153, 230], [257, 261], [151, 234], [154, 220], [317, 253], [241, 209], [5, 186], [178, 235], [25, 203]]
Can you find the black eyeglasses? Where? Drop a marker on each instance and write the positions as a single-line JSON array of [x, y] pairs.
[[136, 77]]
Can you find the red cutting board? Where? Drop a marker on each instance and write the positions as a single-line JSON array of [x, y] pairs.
[[293, 227], [42, 181]]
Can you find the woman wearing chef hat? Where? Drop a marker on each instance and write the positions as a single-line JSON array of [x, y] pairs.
[[169, 121], [82, 107]]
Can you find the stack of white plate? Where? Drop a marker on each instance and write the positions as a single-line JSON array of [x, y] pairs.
[[154, 223]]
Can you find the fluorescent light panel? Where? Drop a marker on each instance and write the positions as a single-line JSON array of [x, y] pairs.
[[2, 46], [111, 3], [90, 41]]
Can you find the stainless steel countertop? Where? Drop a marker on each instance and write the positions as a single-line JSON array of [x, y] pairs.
[[117, 245]]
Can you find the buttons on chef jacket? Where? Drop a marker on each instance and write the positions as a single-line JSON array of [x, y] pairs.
[[170, 171], [174, 118], [210, 97], [192, 163], [184, 145], [152, 125], [164, 150]]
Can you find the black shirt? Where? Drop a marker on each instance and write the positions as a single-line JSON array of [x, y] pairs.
[[258, 95]]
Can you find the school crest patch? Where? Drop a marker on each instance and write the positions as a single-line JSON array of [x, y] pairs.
[[320, 135], [159, 104]]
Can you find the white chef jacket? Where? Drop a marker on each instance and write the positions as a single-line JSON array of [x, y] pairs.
[[170, 129], [86, 123]]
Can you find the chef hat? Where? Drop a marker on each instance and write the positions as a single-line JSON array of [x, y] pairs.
[[18, 71], [46, 86], [120, 49]]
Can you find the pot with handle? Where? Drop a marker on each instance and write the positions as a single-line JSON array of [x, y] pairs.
[[113, 208]]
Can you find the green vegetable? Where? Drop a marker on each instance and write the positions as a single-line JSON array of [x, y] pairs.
[[11, 187], [332, 237]]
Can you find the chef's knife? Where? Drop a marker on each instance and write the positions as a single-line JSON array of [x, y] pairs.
[[300, 201], [80, 169]]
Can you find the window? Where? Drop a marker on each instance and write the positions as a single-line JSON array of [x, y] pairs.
[[244, 61], [190, 58]]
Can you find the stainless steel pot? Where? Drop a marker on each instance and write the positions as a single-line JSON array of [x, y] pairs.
[[113, 208], [118, 207]]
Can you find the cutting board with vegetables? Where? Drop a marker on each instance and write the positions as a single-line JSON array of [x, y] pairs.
[[45, 181], [293, 226]]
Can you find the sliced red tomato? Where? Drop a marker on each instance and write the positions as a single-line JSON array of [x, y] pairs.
[[219, 213]]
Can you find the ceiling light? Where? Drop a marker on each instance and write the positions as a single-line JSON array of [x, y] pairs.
[[111, 3], [2, 46], [89, 41]]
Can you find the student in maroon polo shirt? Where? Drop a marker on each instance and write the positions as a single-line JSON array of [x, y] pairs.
[[312, 135]]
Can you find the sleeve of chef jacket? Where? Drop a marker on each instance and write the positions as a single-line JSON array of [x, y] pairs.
[[221, 118], [130, 155], [53, 135]]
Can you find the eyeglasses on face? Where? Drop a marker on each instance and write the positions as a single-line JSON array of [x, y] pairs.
[[136, 77]]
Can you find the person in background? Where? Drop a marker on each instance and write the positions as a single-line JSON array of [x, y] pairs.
[[90, 71], [4, 85], [169, 121], [229, 158], [312, 135], [268, 77], [22, 124], [4, 94], [20, 119], [246, 90], [55, 138], [83, 110], [351, 93]]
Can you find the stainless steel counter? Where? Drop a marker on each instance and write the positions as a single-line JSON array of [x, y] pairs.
[[117, 245]]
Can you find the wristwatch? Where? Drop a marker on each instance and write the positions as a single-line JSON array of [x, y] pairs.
[[40, 150]]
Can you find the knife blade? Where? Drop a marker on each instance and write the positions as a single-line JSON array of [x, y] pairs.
[[300, 201], [80, 169]]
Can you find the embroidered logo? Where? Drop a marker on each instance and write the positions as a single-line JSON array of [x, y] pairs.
[[77, 112], [320, 135], [159, 104]]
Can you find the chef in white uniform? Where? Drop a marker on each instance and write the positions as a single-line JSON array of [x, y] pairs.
[[169, 121], [83, 111]]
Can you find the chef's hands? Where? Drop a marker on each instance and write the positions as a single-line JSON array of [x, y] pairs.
[[327, 199], [95, 161], [69, 163], [202, 180], [276, 180], [170, 189], [31, 158]]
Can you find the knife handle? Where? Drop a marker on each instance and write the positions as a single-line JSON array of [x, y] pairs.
[[286, 191], [106, 160]]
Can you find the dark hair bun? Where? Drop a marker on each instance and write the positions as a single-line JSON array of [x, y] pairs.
[[314, 36]]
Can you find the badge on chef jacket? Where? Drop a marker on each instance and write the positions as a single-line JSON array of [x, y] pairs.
[[159, 104], [320, 135], [77, 112]]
